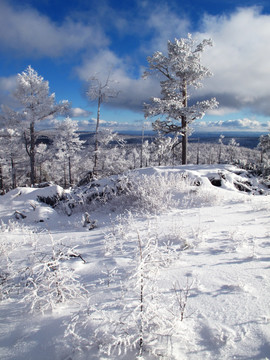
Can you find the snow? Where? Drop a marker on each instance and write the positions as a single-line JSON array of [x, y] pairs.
[[218, 241]]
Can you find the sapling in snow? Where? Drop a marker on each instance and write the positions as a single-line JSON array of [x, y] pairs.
[[140, 323], [49, 280], [181, 297]]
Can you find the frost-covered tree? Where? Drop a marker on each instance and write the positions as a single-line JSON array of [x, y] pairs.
[[102, 92], [10, 140], [163, 148], [145, 153], [220, 141], [111, 152], [232, 149], [37, 104], [179, 70], [137, 322], [67, 143], [10, 145], [264, 145], [44, 155]]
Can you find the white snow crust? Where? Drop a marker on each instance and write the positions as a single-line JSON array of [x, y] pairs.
[[220, 238]]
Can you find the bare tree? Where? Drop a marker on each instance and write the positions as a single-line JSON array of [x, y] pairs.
[[102, 92]]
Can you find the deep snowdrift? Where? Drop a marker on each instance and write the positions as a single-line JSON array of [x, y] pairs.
[[169, 247]]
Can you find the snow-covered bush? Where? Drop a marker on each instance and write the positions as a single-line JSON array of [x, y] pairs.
[[49, 280], [35, 270], [13, 240], [160, 192], [153, 193], [136, 314], [6, 269], [150, 192]]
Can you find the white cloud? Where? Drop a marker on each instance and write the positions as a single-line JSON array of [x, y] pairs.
[[103, 122], [164, 24], [26, 31], [221, 111], [7, 86], [90, 125], [78, 112], [239, 59], [244, 124]]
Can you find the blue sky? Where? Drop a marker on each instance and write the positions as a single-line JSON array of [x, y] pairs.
[[67, 42]]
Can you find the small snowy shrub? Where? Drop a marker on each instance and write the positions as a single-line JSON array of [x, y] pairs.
[[181, 298], [49, 280], [154, 193], [135, 315], [13, 243], [121, 236], [35, 270], [204, 196], [174, 235], [6, 269]]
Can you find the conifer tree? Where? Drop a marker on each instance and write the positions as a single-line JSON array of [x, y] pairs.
[[67, 144], [179, 70], [37, 104]]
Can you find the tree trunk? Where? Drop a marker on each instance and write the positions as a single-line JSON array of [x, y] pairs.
[[198, 152], [141, 162], [69, 171], [261, 156], [40, 173], [65, 176], [13, 174], [141, 300], [32, 153], [96, 136], [184, 141], [1, 180], [184, 125]]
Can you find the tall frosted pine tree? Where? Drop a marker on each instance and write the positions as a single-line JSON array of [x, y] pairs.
[[37, 104], [180, 70]]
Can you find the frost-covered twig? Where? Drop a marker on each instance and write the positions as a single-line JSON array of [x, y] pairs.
[[181, 296]]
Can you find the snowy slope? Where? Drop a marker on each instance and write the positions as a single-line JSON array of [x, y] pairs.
[[207, 242]]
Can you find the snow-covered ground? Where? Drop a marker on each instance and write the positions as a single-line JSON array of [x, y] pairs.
[[174, 263]]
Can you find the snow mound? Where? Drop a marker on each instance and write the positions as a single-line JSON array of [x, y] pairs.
[[227, 177], [207, 177], [33, 204], [27, 193]]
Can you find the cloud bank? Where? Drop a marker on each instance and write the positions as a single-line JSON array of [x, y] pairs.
[[244, 124], [27, 32], [239, 58]]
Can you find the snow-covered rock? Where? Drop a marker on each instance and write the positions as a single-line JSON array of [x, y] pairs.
[[33, 204], [227, 177]]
